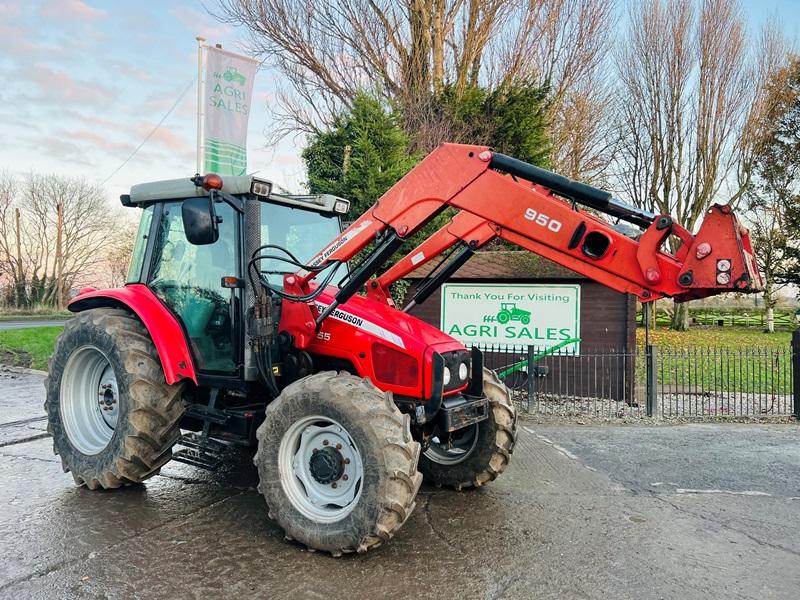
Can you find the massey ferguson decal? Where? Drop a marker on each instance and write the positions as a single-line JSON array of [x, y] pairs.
[[363, 324]]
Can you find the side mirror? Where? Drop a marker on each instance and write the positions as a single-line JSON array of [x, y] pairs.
[[200, 220]]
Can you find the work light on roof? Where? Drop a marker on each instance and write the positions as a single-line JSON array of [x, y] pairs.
[[261, 188]]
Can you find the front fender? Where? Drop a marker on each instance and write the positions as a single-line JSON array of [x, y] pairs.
[[161, 324]]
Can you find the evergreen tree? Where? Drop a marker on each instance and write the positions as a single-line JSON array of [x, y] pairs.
[[511, 119], [360, 157]]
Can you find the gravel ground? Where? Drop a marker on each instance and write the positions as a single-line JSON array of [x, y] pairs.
[[672, 407]]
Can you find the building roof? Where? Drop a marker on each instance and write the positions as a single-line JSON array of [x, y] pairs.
[[504, 264]]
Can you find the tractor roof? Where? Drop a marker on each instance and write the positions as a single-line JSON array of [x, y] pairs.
[[172, 189], [179, 189]]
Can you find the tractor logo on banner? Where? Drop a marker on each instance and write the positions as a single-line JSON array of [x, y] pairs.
[[232, 74]]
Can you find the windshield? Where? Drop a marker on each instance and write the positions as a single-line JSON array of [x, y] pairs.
[[302, 232]]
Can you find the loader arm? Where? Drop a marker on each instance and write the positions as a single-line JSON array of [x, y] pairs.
[[465, 227], [536, 210]]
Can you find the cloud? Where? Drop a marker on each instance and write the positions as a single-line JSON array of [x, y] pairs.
[[63, 150], [10, 9], [73, 10], [201, 23], [99, 141], [168, 139], [60, 86], [19, 44]]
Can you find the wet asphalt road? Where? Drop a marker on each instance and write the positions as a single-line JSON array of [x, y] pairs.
[[695, 511]]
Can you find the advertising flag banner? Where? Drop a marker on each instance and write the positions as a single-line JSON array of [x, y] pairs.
[[228, 94]]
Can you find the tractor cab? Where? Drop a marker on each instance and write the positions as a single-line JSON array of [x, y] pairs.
[[192, 248]]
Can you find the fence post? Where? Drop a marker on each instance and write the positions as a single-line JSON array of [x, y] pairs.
[[796, 373], [531, 377], [651, 383]]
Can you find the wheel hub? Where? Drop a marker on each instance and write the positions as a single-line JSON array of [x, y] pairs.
[[320, 468], [108, 397], [326, 465], [89, 400]]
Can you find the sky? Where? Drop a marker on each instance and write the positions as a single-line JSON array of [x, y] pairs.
[[86, 80]]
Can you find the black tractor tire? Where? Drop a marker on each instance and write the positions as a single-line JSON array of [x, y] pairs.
[[149, 410], [382, 436], [490, 455]]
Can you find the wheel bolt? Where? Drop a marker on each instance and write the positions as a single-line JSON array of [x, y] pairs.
[[338, 446], [333, 485], [325, 443], [347, 461], [345, 477], [315, 450]]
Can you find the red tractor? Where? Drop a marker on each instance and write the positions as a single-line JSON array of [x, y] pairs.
[[229, 331]]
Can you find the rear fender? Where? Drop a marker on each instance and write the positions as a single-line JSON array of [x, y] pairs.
[[161, 324]]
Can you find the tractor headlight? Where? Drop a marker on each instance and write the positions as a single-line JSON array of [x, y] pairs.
[[463, 371], [446, 377]]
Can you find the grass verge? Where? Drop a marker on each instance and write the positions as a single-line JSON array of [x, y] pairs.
[[29, 347]]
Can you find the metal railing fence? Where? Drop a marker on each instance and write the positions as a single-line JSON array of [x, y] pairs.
[[651, 381]]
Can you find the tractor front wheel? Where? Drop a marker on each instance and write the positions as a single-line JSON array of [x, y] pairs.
[[112, 417], [477, 454], [337, 464]]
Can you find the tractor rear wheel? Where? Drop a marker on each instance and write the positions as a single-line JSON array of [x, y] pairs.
[[112, 417], [337, 464], [479, 453]]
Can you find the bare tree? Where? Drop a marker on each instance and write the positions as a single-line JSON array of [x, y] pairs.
[[11, 269], [53, 230], [767, 223], [773, 192], [692, 107], [408, 51], [118, 254]]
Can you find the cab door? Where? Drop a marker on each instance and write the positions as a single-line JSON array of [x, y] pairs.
[[188, 279]]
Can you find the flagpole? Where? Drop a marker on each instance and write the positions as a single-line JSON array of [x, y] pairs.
[[200, 39]]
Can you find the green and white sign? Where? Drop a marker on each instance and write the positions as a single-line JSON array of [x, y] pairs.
[[512, 315], [228, 90]]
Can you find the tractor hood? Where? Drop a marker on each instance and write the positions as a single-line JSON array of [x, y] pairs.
[[388, 324], [365, 332]]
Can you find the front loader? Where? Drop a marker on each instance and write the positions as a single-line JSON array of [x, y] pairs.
[[230, 331]]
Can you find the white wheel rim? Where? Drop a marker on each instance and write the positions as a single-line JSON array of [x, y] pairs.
[[89, 402], [305, 478], [456, 452]]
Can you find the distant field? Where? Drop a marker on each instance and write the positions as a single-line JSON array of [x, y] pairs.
[[716, 337], [735, 360], [28, 347], [730, 317]]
